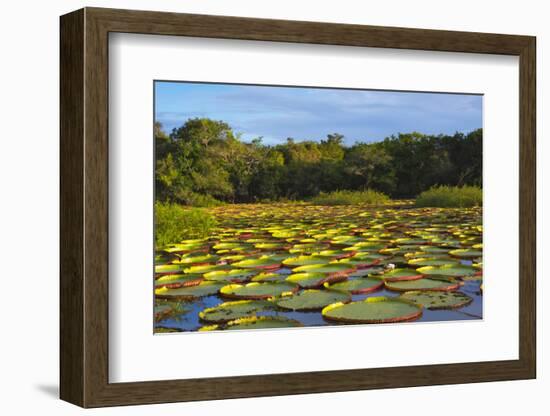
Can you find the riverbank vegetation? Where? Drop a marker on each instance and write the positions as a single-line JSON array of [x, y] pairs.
[[205, 163]]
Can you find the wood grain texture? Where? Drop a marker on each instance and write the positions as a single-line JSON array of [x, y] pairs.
[[84, 205], [71, 213]]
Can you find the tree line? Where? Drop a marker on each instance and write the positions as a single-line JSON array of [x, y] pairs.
[[204, 161]]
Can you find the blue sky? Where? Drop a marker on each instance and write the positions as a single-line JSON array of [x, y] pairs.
[[276, 113]]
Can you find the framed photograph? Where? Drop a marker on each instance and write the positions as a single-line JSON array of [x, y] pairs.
[[278, 207]]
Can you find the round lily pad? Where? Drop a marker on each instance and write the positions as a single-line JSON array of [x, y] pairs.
[[466, 253], [333, 269], [178, 280], [167, 268], [374, 310], [203, 289], [312, 280], [397, 275], [360, 285], [312, 299], [199, 258], [205, 268], [269, 277], [437, 300], [423, 284], [264, 263], [229, 311], [432, 261], [305, 260], [234, 275], [452, 270], [258, 290]]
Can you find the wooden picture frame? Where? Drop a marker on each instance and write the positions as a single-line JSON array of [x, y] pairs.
[[84, 207]]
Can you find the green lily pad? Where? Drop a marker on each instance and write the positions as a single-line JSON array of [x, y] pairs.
[[452, 270], [234, 275], [258, 290], [229, 311], [423, 284], [178, 280], [396, 275], [262, 263], [437, 300], [203, 289], [312, 299], [197, 259], [305, 260], [466, 253], [167, 268], [312, 280], [269, 277], [339, 269], [355, 286], [374, 310], [205, 268], [432, 261]]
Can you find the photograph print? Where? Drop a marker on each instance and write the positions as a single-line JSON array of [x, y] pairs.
[[293, 207]]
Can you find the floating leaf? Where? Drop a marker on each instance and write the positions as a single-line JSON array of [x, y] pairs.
[[333, 269], [312, 299], [437, 300], [466, 253], [262, 263], [313, 280], [305, 260], [167, 268], [355, 286], [432, 261], [234, 275], [396, 275], [203, 289], [374, 310], [452, 270], [229, 311], [178, 280], [423, 284], [257, 290]]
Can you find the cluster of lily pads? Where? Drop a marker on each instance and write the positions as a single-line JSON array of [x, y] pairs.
[[266, 259]]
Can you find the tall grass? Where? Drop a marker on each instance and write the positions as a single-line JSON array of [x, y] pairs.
[[451, 196], [174, 223], [368, 196]]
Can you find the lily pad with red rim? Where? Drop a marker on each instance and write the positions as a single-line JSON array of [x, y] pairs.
[[258, 290], [359, 285], [312, 299]]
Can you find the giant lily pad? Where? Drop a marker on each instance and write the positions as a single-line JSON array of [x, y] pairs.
[[203, 289], [234, 275], [258, 290], [178, 280], [396, 275], [355, 286], [432, 261], [264, 263], [374, 310], [304, 261], [312, 299], [313, 280], [332, 269], [466, 253], [229, 311], [199, 258], [437, 300], [452, 270], [423, 284], [167, 269]]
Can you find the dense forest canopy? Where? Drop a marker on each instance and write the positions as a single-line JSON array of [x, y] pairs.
[[205, 158]]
